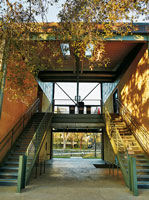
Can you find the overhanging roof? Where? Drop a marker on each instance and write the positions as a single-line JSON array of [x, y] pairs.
[[120, 50]]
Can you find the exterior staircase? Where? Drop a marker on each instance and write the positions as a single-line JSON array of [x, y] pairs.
[[134, 149], [10, 166]]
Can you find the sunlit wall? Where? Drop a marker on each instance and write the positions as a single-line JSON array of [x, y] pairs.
[[135, 92], [133, 88]]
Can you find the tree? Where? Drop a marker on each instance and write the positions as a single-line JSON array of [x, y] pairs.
[[88, 22], [24, 57], [85, 23]]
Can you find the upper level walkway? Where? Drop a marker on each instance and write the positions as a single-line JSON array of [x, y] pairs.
[[77, 121]]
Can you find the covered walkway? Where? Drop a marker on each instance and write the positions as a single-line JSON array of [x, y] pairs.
[[74, 179]]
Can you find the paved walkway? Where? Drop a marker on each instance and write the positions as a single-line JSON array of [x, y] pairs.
[[74, 179]]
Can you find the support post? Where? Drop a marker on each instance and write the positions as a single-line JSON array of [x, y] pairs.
[[102, 144], [113, 168], [129, 173], [53, 101], [36, 169], [134, 176], [21, 173], [77, 67], [95, 145], [101, 98], [148, 43], [51, 145]]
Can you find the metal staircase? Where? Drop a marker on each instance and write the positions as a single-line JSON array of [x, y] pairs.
[[22, 146], [9, 168], [128, 138], [126, 145]]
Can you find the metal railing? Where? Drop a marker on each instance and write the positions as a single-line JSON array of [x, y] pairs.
[[140, 133], [125, 161], [113, 133], [7, 142], [66, 106], [35, 145], [29, 159]]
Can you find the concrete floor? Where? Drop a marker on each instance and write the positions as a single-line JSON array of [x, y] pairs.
[[74, 179]]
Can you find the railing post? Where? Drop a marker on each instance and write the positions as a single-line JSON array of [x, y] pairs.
[[134, 185], [44, 166], [23, 121], [12, 137], [129, 173], [21, 173]]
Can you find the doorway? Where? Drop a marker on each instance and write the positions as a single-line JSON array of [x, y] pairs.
[[115, 98], [77, 144]]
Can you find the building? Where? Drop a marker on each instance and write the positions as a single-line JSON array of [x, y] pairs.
[[125, 91]]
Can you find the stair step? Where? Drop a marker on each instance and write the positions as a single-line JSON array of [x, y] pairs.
[[142, 170], [8, 182], [142, 160], [139, 156], [145, 178], [9, 172], [18, 151], [8, 175], [14, 159], [143, 164], [8, 169], [143, 184], [143, 175], [12, 162]]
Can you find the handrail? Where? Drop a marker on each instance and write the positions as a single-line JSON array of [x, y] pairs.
[[137, 130], [120, 149], [114, 133], [126, 162], [36, 143], [21, 121]]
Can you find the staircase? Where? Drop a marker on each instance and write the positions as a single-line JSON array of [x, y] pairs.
[[9, 168], [134, 149]]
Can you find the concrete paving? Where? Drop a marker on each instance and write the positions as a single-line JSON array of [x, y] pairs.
[[74, 179]]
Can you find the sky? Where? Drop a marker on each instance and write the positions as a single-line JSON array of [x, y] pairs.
[[54, 10]]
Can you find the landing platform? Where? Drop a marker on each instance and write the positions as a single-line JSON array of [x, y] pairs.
[[77, 121]]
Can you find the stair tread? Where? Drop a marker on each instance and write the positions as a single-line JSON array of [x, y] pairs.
[[8, 180], [6, 167], [142, 164], [142, 170], [143, 182], [142, 175], [12, 162], [9, 173]]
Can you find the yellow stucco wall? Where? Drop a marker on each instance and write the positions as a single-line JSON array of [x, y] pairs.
[[133, 88]]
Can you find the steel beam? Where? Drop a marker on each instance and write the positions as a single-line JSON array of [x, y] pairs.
[[77, 67], [69, 76]]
